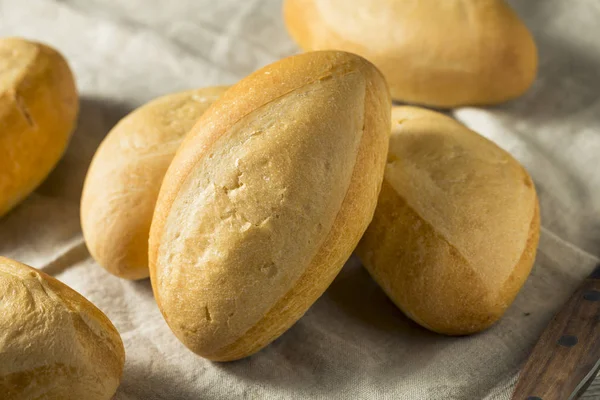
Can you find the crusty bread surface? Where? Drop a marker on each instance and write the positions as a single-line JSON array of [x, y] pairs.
[[456, 228], [54, 344], [438, 53], [38, 111], [125, 175], [266, 199]]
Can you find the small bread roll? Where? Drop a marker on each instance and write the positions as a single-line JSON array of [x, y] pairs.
[[456, 228], [124, 178], [54, 344], [446, 53], [266, 199], [38, 109]]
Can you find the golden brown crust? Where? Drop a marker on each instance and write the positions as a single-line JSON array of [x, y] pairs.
[[54, 343], [442, 54], [38, 110], [455, 231], [124, 179], [247, 231]]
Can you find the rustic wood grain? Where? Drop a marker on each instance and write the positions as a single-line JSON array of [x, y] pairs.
[[568, 352]]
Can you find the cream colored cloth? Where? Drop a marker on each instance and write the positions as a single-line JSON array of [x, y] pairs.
[[353, 343]]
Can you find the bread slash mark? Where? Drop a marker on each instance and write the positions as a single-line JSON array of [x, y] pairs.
[[207, 314], [24, 110]]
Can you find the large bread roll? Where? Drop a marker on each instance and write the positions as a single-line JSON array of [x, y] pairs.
[[54, 344], [457, 224], [38, 109], [266, 199], [124, 178], [439, 53]]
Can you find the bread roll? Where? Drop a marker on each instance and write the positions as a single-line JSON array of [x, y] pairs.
[[54, 344], [38, 109], [456, 228], [124, 178], [266, 199], [446, 53]]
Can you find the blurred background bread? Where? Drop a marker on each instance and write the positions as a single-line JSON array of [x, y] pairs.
[[38, 111], [124, 178], [457, 225], [438, 53], [266, 199], [54, 344]]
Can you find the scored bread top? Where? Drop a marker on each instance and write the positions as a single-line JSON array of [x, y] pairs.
[[472, 192], [53, 342], [38, 110], [456, 228], [254, 192]]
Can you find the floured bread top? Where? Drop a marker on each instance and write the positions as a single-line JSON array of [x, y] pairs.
[[473, 193], [53, 342]]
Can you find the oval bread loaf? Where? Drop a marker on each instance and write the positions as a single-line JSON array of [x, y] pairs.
[[54, 344], [38, 109], [438, 53], [124, 178], [456, 228], [266, 199]]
